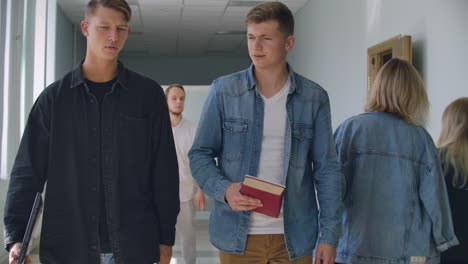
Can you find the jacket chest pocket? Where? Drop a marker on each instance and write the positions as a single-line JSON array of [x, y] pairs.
[[234, 138], [302, 135], [134, 144], [133, 126]]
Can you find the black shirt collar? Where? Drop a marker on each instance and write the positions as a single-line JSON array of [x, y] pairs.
[[78, 78]]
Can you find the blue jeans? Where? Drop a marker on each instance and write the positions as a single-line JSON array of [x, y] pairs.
[[107, 258]]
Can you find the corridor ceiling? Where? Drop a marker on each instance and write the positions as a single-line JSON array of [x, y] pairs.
[[183, 27]]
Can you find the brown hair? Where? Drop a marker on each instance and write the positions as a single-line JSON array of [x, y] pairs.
[[172, 86], [453, 141], [398, 89], [272, 11], [118, 5]]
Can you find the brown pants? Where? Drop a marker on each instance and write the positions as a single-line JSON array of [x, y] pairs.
[[263, 249]]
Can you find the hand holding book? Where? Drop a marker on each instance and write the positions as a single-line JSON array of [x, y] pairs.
[[270, 194], [239, 202]]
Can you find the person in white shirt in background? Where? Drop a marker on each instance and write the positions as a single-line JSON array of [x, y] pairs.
[[190, 194]]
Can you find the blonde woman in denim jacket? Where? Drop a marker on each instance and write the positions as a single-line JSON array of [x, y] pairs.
[[396, 208], [453, 148]]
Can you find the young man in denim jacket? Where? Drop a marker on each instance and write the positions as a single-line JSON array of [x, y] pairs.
[[269, 122]]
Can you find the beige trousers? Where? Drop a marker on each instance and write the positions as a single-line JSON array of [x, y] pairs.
[[263, 249]]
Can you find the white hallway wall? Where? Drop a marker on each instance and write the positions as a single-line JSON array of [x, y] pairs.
[[194, 72], [186, 70], [333, 37]]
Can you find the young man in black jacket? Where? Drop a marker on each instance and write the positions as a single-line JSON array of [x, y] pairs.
[[101, 138]]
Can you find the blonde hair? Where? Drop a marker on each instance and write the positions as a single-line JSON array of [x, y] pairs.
[[399, 89], [119, 5], [453, 141]]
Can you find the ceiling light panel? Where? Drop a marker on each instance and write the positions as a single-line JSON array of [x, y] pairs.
[[249, 3], [221, 3], [204, 11], [294, 6], [167, 16], [238, 12], [148, 12], [147, 3]]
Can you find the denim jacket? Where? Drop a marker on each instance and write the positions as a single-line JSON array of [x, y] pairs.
[[395, 200], [231, 129]]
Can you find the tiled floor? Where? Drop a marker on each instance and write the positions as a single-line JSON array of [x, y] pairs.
[[206, 253]]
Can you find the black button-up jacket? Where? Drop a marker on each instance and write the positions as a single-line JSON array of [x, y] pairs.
[[138, 161]]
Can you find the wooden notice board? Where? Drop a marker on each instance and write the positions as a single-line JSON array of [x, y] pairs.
[[378, 55]]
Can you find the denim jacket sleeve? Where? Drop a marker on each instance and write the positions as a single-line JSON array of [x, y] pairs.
[[433, 194], [207, 146], [342, 153], [29, 171], [165, 174], [328, 177]]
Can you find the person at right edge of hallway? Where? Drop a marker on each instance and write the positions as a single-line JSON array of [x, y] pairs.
[[269, 122], [453, 150]]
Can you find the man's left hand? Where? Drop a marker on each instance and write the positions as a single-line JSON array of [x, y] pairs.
[[326, 254], [165, 254]]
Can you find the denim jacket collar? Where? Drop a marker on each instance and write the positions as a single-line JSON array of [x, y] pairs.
[[78, 78], [252, 84]]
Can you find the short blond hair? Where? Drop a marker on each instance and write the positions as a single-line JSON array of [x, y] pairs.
[[453, 141], [119, 5], [398, 89]]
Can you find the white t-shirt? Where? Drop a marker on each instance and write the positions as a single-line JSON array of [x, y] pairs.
[[272, 157], [184, 134]]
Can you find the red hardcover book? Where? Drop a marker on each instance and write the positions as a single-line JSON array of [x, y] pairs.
[[269, 193]]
